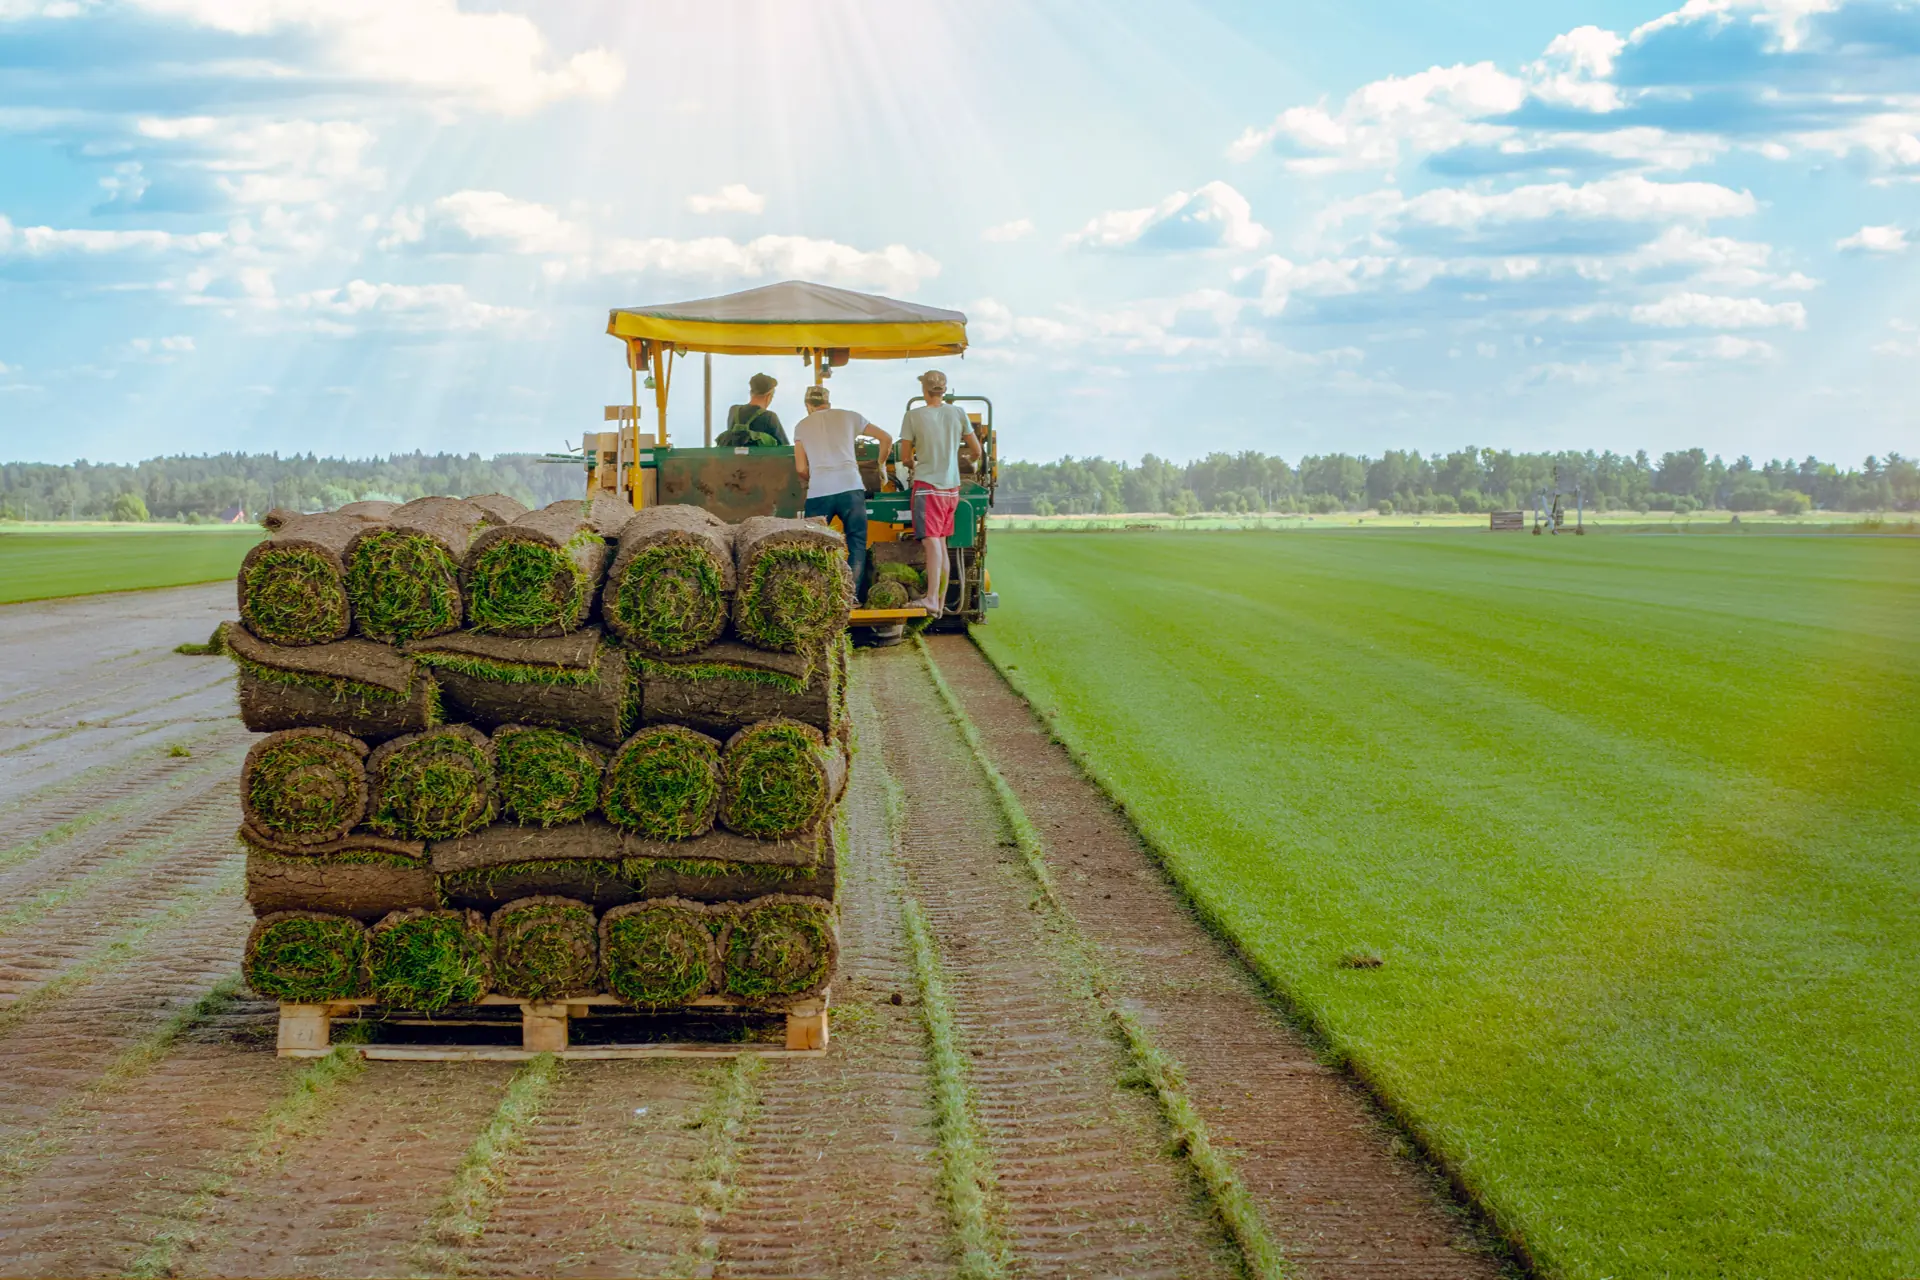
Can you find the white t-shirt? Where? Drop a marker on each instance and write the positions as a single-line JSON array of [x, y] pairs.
[[827, 435], [936, 431]]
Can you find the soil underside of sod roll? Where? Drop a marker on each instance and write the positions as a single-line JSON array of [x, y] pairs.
[[573, 681], [723, 867], [363, 883], [432, 785], [728, 686], [293, 588], [535, 577], [779, 778], [499, 508], [671, 584], [403, 577], [428, 960], [660, 952], [545, 948], [304, 787], [663, 783], [307, 957], [793, 585], [354, 686], [547, 777], [778, 947]]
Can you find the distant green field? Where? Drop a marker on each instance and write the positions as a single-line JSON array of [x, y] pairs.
[[37, 564], [1633, 823]]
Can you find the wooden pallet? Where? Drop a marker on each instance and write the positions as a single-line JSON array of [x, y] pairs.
[[306, 1031]]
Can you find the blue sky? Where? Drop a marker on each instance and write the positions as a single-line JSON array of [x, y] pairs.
[[356, 226]]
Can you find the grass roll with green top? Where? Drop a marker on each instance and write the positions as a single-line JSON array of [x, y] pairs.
[[671, 584], [778, 947], [428, 960], [545, 948], [293, 585], [663, 783], [432, 785], [537, 576], [778, 779], [547, 777], [888, 593], [793, 587], [354, 686], [659, 952], [912, 577], [306, 957], [403, 576], [303, 787]]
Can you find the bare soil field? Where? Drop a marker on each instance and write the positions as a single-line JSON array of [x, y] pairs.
[[146, 1127]]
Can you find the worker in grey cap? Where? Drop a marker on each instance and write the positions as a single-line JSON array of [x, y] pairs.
[[744, 421]]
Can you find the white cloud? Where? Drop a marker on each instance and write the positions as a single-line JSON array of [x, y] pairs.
[[497, 60], [1214, 217], [1007, 232], [258, 162], [735, 197], [493, 220], [1626, 199], [1709, 311], [1430, 111], [1786, 18], [37, 242], [431, 308], [894, 269], [1874, 240], [1574, 69]]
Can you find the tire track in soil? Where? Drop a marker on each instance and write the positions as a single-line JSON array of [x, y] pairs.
[[597, 1189], [1330, 1178], [838, 1177], [1081, 1166], [351, 1196]]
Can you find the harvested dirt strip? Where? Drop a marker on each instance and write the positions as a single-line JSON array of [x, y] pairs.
[[1079, 1162], [838, 1177], [1321, 1166]]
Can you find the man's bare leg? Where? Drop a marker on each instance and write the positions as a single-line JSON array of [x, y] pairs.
[[934, 602]]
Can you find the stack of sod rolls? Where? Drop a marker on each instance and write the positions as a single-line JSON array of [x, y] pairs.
[[541, 754]]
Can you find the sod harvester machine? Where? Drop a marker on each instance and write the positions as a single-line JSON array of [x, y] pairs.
[[825, 327]]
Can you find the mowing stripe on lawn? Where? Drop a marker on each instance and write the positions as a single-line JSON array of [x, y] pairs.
[[462, 1216], [1157, 1068]]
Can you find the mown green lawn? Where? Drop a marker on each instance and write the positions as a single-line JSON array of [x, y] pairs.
[[1634, 823], [36, 565]]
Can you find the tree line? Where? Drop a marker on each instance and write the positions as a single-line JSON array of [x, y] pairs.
[[199, 489], [1464, 480]]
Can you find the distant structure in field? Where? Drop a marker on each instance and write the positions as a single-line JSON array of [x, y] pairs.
[[233, 515]]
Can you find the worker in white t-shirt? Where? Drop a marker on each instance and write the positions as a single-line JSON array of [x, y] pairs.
[[823, 455], [931, 438]]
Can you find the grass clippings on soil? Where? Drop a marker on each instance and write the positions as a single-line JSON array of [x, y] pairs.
[[663, 783], [461, 1217], [547, 777]]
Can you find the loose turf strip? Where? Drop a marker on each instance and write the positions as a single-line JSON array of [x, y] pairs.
[[537, 576], [663, 784], [547, 777], [778, 947], [1158, 1071], [794, 586], [306, 957], [722, 1122], [427, 960], [461, 1218], [659, 952], [778, 779], [432, 785], [353, 686], [293, 588], [545, 948], [304, 786], [671, 583]]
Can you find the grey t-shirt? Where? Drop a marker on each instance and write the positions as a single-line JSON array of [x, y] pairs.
[[828, 437], [936, 431]]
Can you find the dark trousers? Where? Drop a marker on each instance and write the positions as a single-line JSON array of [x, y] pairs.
[[851, 507]]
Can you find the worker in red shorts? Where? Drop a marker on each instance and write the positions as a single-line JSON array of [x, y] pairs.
[[931, 437]]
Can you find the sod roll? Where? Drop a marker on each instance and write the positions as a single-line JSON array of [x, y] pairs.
[[663, 783], [306, 957], [432, 785], [671, 583], [403, 576], [362, 882], [659, 952], [793, 587], [585, 861], [498, 508], [888, 593], [367, 509], [537, 576], [545, 948], [547, 777], [428, 960], [293, 586], [779, 947], [912, 578], [723, 867], [572, 682], [302, 787], [354, 686], [727, 686], [778, 779]]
